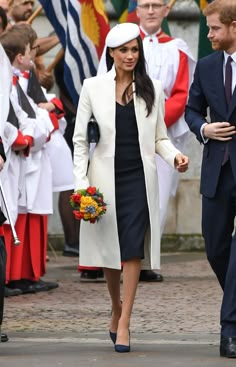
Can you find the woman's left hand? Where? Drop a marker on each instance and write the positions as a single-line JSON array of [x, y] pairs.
[[181, 162]]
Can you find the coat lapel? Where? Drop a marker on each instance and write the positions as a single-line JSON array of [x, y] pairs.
[[136, 105], [218, 80], [232, 104], [108, 93], [217, 70], [140, 112], [139, 106]]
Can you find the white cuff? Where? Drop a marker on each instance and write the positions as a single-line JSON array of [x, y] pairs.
[[205, 140]]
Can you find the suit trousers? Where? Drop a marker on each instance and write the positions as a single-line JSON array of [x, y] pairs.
[[2, 276], [218, 214]]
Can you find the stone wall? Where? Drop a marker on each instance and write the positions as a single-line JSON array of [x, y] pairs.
[[183, 227]]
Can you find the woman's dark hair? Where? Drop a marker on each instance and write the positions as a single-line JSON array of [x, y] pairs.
[[143, 85], [3, 17]]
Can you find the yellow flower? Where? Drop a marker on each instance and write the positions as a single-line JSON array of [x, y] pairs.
[[87, 216], [87, 201], [87, 207]]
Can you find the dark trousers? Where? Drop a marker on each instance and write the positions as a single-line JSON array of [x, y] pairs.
[[3, 259], [218, 216]]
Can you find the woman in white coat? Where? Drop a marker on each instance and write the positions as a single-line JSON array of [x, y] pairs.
[[129, 110]]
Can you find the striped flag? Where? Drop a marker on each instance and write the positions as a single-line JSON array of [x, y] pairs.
[[81, 26]]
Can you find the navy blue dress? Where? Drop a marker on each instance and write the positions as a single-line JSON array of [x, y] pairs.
[[131, 200]]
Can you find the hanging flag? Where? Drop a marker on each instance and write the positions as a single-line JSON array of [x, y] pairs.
[[132, 17], [82, 26], [204, 45], [121, 9]]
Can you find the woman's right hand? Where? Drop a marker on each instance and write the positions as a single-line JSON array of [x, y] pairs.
[[181, 162]]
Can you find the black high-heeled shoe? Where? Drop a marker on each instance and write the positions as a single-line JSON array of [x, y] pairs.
[[113, 336], [4, 338], [120, 348]]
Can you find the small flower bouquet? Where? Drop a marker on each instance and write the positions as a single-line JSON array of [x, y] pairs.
[[88, 204]]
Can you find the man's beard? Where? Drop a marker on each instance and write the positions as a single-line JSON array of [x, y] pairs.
[[25, 16], [221, 45]]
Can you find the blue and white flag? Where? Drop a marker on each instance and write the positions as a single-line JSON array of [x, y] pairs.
[[70, 18]]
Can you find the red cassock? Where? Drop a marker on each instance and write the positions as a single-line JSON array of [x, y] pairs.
[[28, 260]]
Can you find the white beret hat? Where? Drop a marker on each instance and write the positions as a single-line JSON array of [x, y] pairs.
[[122, 33]]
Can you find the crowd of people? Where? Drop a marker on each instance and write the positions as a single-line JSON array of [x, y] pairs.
[[38, 176], [26, 264], [145, 77], [31, 168], [179, 72]]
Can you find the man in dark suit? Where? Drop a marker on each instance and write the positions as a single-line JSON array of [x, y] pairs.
[[213, 90]]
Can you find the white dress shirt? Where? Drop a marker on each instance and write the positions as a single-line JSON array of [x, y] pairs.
[[233, 64]]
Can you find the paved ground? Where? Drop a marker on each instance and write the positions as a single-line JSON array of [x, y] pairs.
[[175, 323]]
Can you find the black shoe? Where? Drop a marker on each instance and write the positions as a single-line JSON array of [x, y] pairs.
[[88, 275], [9, 292], [228, 347], [120, 348], [71, 251], [150, 276], [24, 285], [4, 338], [43, 286], [113, 336], [100, 274]]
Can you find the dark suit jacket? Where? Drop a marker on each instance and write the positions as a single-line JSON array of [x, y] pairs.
[[207, 90]]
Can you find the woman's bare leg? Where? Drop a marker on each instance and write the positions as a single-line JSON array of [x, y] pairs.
[[113, 284], [131, 271]]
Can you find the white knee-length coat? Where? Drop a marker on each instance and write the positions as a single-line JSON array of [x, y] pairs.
[[99, 243]]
